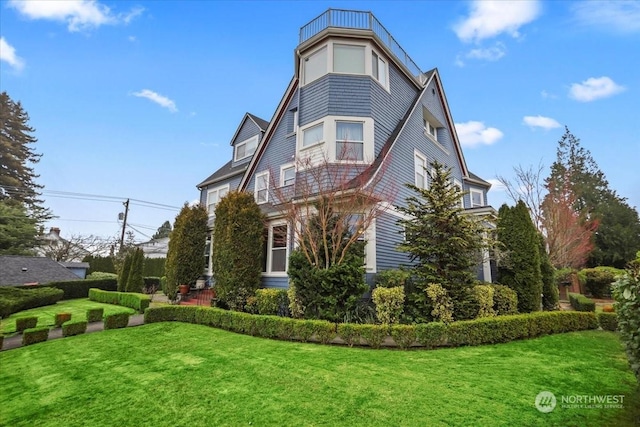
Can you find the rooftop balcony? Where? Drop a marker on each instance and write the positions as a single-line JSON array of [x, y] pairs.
[[359, 20]]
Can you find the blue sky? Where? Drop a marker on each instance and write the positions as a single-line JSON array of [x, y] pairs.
[[139, 99]]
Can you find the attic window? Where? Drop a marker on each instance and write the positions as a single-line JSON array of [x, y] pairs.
[[246, 148]]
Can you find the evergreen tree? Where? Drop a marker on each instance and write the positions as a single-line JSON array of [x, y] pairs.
[[17, 229], [237, 245], [443, 241], [163, 231], [17, 176], [135, 283], [550, 295], [185, 256], [123, 278], [520, 270]]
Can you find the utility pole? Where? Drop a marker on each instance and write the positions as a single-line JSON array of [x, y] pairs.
[[124, 223]]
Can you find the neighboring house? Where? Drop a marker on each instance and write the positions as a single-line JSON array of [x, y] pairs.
[[78, 268], [155, 248], [23, 270], [56, 247], [353, 86]]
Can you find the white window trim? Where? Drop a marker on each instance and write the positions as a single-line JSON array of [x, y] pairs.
[[239, 144], [383, 58], [282, 169], [347, 141], [216, 190], [296, 117], [473, 205], [419, 155], [255, 189], [458, 184], [301, 145], [268, 272]]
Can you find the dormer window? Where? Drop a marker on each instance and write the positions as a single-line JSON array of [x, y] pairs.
[[429, 129], [246, 148]]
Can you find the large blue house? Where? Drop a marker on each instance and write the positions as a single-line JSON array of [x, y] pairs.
[[354, 88]]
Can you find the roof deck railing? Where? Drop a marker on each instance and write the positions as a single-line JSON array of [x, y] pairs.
[[359, 20]]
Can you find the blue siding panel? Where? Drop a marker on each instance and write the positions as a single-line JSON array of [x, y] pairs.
[[388, 237], [275, 282]]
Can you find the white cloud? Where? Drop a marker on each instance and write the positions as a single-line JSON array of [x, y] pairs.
[[475, 133], [79, 15], [8, 55], [496, 185], [616, 16], [594, 88], [489, 19], [540, 122], [161, 100], [489, 54], [548, 95]]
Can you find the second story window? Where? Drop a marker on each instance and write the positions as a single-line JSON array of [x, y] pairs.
[[245, 148], [429, 129], [213, 198], [349, 140], [287, 175], [420, 165], [379, 69], [262, 187], [313, 135], [477, 198], [348, 59], [315, 65]]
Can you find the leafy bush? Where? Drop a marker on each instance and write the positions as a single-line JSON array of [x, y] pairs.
[[608, 321], [349, 333], [374, 335], [23, 323], [74, 289], [581, 303], [1, 341], [324, 331], [154, 267], [116, 321], [296, 308], [392, 278], [135, 283], [101, 275], [15, 299], [35, 335], [151, 283], [626, 291], [272, 301], [389, 303], [484, 296], [432, 334], [505, 300], [598, 280], [74, 327], [404, 335], [95, 314], [126, 299], [442, 304], [61, 318]]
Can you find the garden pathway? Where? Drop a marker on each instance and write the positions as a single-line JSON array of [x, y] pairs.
[[55, 333]]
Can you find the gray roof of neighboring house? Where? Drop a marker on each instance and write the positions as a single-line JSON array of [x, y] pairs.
[[18, 270], [226, 171]]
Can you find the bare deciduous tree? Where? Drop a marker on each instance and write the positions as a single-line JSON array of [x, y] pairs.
[[528, 186], [76, 247]]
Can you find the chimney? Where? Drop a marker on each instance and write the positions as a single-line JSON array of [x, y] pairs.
[[55, 230]]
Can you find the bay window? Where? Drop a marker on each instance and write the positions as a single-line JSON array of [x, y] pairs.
[[349, 140]]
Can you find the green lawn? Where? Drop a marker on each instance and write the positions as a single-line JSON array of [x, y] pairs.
[[47, 314], [174, 374]]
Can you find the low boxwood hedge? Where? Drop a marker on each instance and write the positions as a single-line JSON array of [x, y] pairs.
[[23, 323], [34, 335], [608, 321], [486, 330], [14, 299], [126, 299], [61, 318], [74, 327], [1, 341], [581, 303], [73, 289], [95, 315], [116, 321]]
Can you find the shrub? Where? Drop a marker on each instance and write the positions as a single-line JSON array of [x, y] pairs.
[[23, 323], [95, 314], [598, 280], [174, 313], [581, 303], [61, 318], [135, 283], [151, 284], [349, 333], [505, 300], [608, 321], [132, 300], [324, 331], [373, 334], [303, 330], [154, 267], [35, 335], [392, 278], [404, 335], [272, 301], [389, 303], [123, 277], [1, 341], [484, 296], [101, 275], [74, 327], [442, 304], [116, 321], [73, 289], [608, 308], [295, 303], [626, 291], [15, 299], [432, 334]]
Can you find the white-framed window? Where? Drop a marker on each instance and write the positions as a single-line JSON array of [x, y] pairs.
[[275, 250], [420, 165], [207, 254], [261, 192], [315, 65], [213, 197], [379, 68], [313, 135], [295, 120], [246, 148], [349, 140], [477, 198], [287, 174], [458, 185], [429, 129], [348, 59]]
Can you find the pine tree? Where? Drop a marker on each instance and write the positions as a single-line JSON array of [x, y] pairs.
[[17, 230], [123, 278], [443, 241], [135, 283], [17, 176], [520, 270]]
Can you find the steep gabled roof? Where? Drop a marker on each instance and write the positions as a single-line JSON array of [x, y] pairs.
[[261, 123], [228, 170], [19, 270], [477, 180]]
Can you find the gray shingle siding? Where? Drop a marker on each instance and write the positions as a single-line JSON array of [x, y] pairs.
[[275, 282], [388, 237]]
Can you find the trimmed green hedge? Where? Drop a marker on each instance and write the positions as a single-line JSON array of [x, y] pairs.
[[581, 303], [23, 323], [486, 330], [116, 321], [61, 318], [34, 335], [79, 288], [95, 314], [126, 299], [608, 321], [74, 327], [14, 299]]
